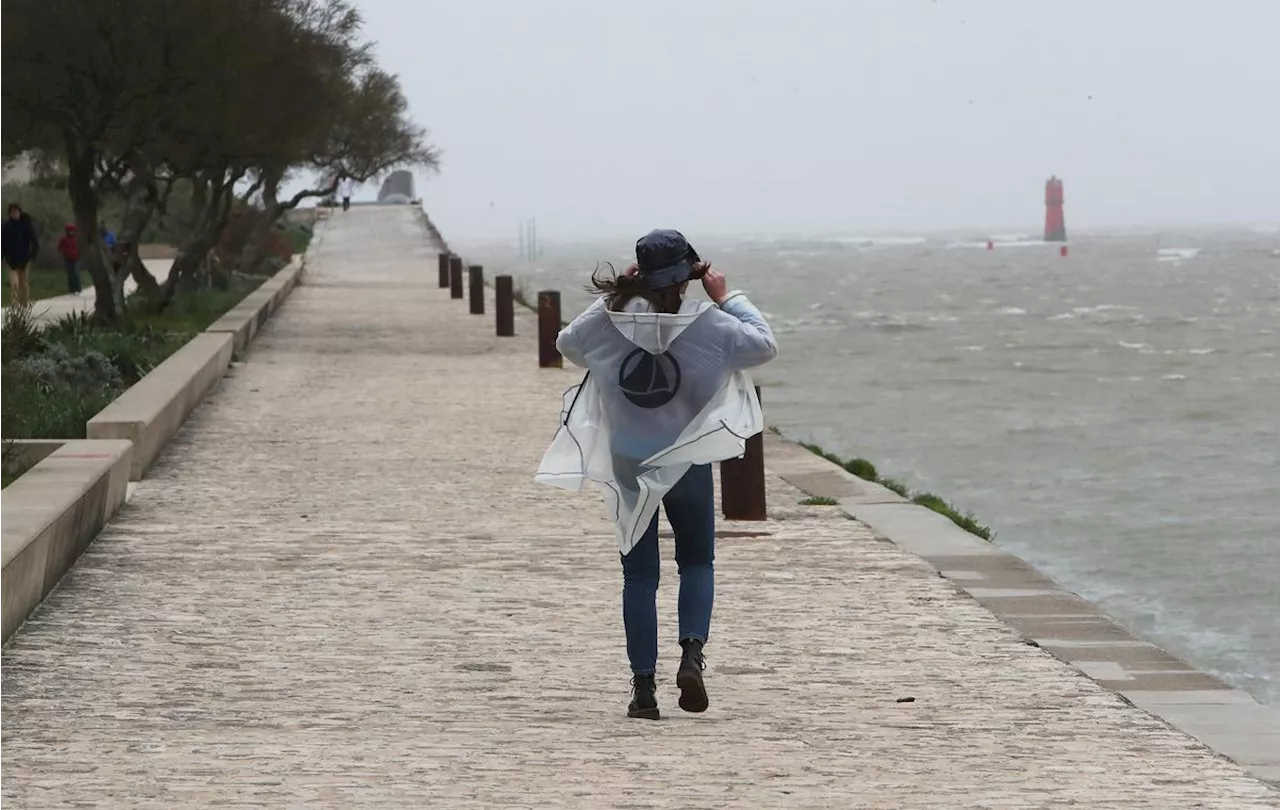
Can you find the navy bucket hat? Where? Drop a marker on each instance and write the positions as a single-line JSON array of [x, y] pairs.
[[665, 258]]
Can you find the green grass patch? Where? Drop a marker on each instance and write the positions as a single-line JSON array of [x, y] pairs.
[[191, 312], [819, 500], [866, 470], [858, 466], [965, 521], [45, 283], [895, 486]]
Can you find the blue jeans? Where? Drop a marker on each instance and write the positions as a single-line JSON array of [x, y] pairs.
[[73, 275], [691, 511]]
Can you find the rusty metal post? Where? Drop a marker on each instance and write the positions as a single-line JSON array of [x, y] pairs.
[[476, 273], [444, 270], [742, 494], [504, 305], [549, 329], [455, 276]]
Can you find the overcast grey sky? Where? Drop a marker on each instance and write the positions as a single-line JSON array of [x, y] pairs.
[[604, 117]]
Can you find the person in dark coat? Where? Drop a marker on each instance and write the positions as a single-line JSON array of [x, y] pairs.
[[20, 247]]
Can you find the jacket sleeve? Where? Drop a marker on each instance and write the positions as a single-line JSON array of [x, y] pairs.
[[570, 340], [751, 340]]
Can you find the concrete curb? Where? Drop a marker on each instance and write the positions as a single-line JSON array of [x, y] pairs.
[[1046, 615], [31, 452], [55, 509], [52, 513], [244, 320], [154, 408]]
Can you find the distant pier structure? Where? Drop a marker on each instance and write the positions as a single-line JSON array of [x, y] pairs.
[[1055, 223], [397, 188]]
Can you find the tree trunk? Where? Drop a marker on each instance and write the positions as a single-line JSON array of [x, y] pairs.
[[84, 201], [140, 206], [251, 254], [211, 198], [146, 282], [256, 242]]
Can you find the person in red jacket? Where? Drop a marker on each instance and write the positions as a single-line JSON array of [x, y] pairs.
[[69, 249]]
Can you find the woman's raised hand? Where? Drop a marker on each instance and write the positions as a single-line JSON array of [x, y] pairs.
[[713, 282]]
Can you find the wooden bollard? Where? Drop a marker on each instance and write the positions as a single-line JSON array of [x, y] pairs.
[[742, 494], [444, 270], [455, 276], [476, 277], [504, 305], [549, 329]]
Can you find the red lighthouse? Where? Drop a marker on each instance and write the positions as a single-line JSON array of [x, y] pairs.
[[1055, 225]]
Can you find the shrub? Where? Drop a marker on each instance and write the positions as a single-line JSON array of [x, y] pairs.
[[862, 468], [58, 412], [60, 367], [271, 265], [21, 332], [283, 242], [299, 235], [8, 421]]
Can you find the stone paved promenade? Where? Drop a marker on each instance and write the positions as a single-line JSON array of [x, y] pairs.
[[341, 589]]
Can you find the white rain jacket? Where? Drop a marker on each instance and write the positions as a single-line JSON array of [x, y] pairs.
[[663, 392]]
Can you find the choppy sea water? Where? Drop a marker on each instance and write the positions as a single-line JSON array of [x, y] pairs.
[[1113, 415]]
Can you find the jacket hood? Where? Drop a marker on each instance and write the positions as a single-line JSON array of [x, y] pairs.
[[655, 331]]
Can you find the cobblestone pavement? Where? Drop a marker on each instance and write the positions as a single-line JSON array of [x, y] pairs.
[[340, 588]]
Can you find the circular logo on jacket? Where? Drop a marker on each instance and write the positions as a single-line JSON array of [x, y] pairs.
[[649, 380]]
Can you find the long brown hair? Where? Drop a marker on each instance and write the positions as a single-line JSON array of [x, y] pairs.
[[619, 290]]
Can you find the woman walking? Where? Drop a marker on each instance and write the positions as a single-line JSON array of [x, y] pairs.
[[665, 396]]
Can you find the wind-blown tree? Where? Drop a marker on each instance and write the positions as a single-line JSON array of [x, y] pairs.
[[369, 133], [212, 100], [90, 100]]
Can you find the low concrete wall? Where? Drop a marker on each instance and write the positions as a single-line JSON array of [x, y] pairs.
[[153, 409], [27, 453], [244, 320], [52, 513], [1048, 616]]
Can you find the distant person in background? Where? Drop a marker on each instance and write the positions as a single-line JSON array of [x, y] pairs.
[[345, 187], [69, 250], [20, 249], [108, 238]]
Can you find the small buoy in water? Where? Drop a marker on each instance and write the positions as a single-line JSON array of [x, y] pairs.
[[991, 245], [1062, 251]]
